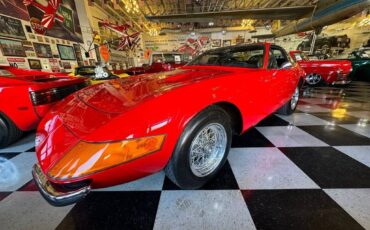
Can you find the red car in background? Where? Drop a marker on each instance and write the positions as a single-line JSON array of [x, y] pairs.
[[26, 96], [180, 120], [159, 62], [332, 72]]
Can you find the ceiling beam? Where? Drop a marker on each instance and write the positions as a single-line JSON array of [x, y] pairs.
[[282, 13]]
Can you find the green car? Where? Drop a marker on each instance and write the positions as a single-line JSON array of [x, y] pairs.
[[361, 65]]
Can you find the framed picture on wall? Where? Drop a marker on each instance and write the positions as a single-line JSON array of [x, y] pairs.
[[12, 28], [66, 52], [216, 42], [34, 64], [42, 50], [226, 43], [32, 36], [12, 48]]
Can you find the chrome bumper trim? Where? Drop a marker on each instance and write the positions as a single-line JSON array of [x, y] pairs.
[[54, 197]]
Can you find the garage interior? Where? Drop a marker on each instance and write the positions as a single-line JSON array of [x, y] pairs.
[[307, 170]]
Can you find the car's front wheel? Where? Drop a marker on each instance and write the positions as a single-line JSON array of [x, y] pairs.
[[201, 150], [289, 107]]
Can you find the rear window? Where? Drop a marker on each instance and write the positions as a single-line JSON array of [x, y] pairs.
[[248, 57]]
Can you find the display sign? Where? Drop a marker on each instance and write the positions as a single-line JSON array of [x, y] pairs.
[[18, 62], [54, 65], [10, 27], [68, 17], [42, 50], [104, 52], [66, 52], [12, 48]]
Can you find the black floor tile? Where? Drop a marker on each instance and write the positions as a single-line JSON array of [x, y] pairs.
[[32, 150], [29, 186], [8, 155], [3, 195], [296, 209], [335, 135], [329, 168], [273, 120], [251, 138], [337, 119], [113, 210], [224, 180]]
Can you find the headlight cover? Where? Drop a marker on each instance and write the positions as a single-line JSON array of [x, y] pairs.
[[88, 158]]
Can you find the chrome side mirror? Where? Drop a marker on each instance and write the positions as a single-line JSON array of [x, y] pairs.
[[286, 65]]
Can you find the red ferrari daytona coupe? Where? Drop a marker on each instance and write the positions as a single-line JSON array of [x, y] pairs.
[[181, 121]]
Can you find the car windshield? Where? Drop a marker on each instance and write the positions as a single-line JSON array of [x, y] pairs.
[[89, 71], [300, 56], [247, 56], [5, 73]]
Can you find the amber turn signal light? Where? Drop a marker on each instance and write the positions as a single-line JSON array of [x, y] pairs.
[[88, 158]]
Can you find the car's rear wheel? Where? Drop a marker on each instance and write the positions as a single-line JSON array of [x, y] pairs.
[[314, 79], [201, 150], [289, 107], [9, 132]]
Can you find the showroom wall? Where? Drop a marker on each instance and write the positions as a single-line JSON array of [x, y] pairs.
[[39, 48]]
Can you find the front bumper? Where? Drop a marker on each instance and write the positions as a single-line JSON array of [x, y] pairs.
[[53, 196]]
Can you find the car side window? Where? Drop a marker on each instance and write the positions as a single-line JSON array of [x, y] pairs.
[[272, 61], [280, 56]]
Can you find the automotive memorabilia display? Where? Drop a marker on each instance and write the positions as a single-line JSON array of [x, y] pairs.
[[66, 52], [55, 18], [42, 50], [111, 104], [29, 89], [181, 114], [334, 72], [12, 48]]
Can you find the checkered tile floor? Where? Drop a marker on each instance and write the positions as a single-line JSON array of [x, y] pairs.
[[310, 170]]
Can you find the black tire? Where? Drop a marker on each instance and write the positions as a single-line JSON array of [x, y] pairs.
[[288, 108], [9, 132], [319, 80], [178, 168]]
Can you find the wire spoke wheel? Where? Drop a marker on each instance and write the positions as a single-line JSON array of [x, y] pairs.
[[295, 98], [313, 78], [208, 149]]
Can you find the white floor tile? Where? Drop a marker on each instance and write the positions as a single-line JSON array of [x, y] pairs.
[[289, 136], [360, 128], [355, 202], [203, 210], [359, 153], [29, 210], [16, 172], [22, 145], [266, 168], [150, 183], [303, 119]]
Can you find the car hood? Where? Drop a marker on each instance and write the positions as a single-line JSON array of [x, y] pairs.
[[121, 95]]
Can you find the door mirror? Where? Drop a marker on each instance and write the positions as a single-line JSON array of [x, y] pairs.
[[286, 65]]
